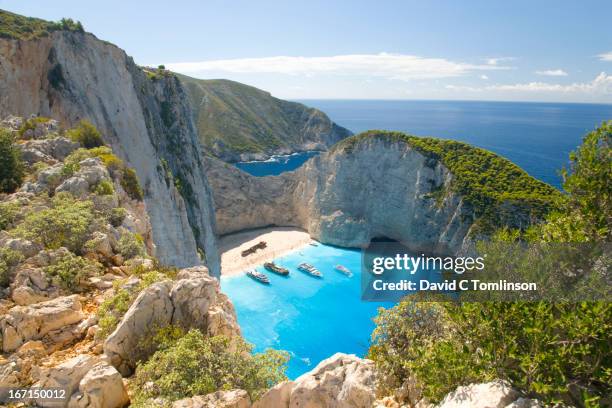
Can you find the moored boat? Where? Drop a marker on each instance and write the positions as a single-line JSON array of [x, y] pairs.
[[258, 276], [272, 267], [309, 269], [344, 270]]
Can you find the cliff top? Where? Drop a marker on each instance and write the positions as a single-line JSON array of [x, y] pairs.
[[19, 27], [481, 176]]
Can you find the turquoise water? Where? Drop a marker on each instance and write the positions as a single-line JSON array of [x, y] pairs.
[[308, 317], [276, 164]]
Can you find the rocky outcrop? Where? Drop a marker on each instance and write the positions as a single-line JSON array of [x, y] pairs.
[[40, 320], [193, 301], [380, 188], [341, 381], [148, 122], [101, 387]]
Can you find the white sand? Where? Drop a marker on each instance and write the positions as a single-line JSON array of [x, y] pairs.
[[279, 240]]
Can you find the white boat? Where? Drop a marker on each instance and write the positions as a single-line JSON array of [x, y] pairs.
[[258, 276], [313, 243], [343, 269], [309, 269]]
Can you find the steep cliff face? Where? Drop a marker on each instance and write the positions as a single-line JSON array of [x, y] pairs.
[[385, 184], [237, 122], [380, 188], [71, 76]]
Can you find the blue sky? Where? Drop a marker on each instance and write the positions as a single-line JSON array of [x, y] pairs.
[[492, 50]]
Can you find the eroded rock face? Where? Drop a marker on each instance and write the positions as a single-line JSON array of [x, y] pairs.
[[193, 301], [72, 76], [341, 381], [346, 198], [219, 399], [34, 322], [101, 387]]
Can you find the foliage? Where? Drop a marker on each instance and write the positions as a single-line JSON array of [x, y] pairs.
[[196, 365], [30, 124], [11, 165], [9, 214], [8, 260], [86, 134], [129, 182], [69, 270], [104, 187], [131, 245], [66, 223], [110, 160], [588, 183], [26, 28], [116, 216], [555, 352]]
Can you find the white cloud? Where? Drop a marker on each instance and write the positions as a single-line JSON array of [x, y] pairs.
[[601, 85], [552, 72], [498, 60], [390, 66], [606, 56], [485, 77]]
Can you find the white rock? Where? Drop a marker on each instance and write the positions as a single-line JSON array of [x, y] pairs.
[[495, 394], [66, 375], [76, 185], [101, 387], [33, 322], [219, 399]]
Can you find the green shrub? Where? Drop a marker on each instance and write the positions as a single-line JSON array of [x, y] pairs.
[[30, 124], [196, 365], [112, 310], [66, 223], [104, 187], [116, 216], [110, 160], [86, 135], [131, 245], [9, 213], [8, 260], [69, 270], [129, 182], [11, 165], [555, 352]]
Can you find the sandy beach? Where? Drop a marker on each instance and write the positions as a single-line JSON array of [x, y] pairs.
[[279, 240]]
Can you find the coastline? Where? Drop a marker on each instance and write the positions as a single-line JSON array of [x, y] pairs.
[[279, 240]]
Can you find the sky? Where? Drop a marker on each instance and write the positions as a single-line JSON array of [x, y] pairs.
[[542, 50]]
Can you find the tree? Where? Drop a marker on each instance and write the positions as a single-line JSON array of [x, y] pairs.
[[11, 165]]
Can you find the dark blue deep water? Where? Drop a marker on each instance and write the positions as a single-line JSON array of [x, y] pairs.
[[536, 136], [276, 164]]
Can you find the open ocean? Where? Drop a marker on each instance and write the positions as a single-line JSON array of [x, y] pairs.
[[536, 136]]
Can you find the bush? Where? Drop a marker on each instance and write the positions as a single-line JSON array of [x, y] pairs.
[[111, 311], [8, 260], [104, 187], [131, 245], [196, 365], [86, 135], [65, 224], [69, 270], [9, 213], [110, 160], [555, 352], [116, 216], [129, 182], [11, 165]]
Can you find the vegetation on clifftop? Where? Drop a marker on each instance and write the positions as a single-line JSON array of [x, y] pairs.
[[19, 27], [483, 178]]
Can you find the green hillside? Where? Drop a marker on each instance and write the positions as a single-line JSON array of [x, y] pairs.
[[239, 121], [25, 28]]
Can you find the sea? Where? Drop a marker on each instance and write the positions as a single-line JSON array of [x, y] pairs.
[[536, 136], [312, 318]]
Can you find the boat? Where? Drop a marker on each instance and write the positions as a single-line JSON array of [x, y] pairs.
[[258, 276], [309, 269], [313, 243], [344, 270], [272, 267], [254, 248]]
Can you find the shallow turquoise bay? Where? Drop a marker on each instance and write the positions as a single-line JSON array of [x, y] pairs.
[[308, 317]]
